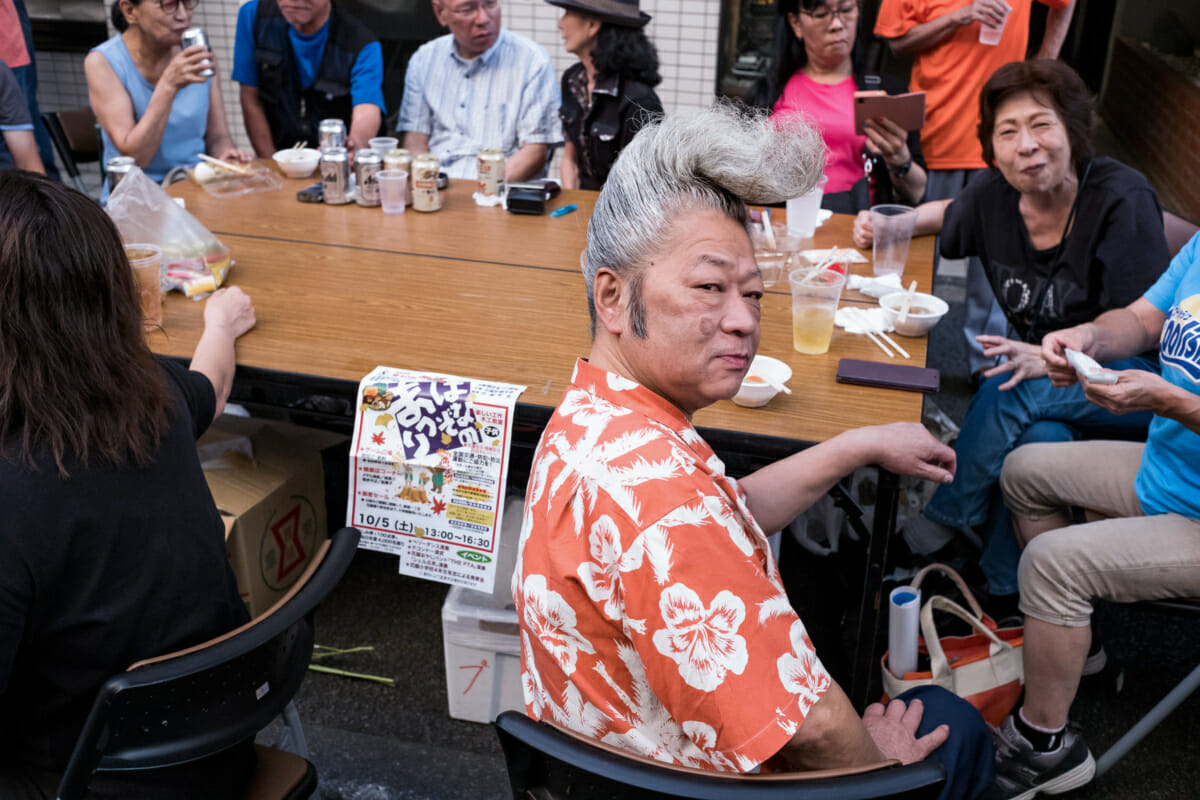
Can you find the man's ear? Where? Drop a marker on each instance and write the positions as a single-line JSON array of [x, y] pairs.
[[439, 10], [610, 297]]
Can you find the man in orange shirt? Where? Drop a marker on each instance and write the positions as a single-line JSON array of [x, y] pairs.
[[652, 614], [951, 65]]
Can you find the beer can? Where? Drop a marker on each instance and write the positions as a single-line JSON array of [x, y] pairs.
[[331, 133], [425, 169], [367, 164], [335, 176], [197, 36], [490, 169], [117, 168], [399, 158]]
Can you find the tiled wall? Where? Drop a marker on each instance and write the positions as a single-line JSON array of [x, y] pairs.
[[685, 34]]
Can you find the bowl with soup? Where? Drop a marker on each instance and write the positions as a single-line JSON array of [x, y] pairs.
[[924, 311]]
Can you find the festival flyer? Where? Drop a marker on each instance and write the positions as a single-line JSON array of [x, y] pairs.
[[428, 468]]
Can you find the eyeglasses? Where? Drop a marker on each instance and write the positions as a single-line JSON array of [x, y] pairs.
[[469, 10], [169, 7], [825, 14]]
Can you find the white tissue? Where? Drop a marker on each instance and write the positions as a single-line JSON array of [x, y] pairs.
[[874, 287], [904, 614], [861, 320], [488, 200]]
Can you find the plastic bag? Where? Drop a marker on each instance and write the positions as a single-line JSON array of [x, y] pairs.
[[194, 261]]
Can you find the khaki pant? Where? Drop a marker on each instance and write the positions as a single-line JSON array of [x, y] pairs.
[[1128, 558]]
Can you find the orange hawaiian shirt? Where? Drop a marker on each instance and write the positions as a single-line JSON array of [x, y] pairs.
[[652, 614]]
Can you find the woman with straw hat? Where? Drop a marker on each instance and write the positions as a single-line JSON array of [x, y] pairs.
[[609, 94]]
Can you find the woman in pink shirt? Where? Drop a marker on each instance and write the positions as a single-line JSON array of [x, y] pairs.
[[814, 75]]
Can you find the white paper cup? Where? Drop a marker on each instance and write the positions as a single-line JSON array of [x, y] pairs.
[[381, 144], [393, 184], [802, 211], [892, 229], [991, 35]]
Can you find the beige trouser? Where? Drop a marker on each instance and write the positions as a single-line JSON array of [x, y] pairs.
[[1129, 558]]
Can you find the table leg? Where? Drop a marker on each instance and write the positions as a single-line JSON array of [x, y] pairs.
[[870, 617]]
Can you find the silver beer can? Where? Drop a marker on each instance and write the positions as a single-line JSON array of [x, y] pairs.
[[331, 133], [197, 36], [425, 168], [490, 169], [367, 164], [399, 158], [335, 176], [117, 168]]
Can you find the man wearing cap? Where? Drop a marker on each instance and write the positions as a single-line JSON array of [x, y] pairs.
[[480, 86], [302, 61], [609, 94]]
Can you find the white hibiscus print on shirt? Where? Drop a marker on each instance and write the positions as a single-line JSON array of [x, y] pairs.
[[601, 575], [800, 671], [552, 621], [704, 642]]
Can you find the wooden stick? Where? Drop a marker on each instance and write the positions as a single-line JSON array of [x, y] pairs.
[[903, 314], [863, 322], [892, 342], [216, 162]]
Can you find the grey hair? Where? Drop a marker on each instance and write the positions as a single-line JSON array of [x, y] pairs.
[[718, 159]]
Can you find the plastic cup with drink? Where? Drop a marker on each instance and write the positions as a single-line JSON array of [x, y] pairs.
[[146, 262], [815, 296], [991, 34], [892, 230], [393, 184], [802, 211]]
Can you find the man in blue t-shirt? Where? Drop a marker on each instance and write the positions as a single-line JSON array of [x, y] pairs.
[[1145, 498], [17, 145], [301, 61]]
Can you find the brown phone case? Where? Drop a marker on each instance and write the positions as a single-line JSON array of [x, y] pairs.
[[888, 376], [906, 110]]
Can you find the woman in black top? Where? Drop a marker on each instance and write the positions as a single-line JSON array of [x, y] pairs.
[[609, 94], [111, 549]]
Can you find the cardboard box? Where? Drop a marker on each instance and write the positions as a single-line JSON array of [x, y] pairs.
[[269, 485], [483, 656]]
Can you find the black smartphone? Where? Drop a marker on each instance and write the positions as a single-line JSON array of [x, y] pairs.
[[313, 194], [888, 376]]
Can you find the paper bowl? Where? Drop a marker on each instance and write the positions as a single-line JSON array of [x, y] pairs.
[[756, 392], [928, 310], [298, 163]]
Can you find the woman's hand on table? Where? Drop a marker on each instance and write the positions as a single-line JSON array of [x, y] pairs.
[[229, 310], [233, 154], [1024, 360], [184, 69], [864, 235]]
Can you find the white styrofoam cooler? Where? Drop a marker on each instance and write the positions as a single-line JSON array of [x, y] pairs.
[[483, 656]]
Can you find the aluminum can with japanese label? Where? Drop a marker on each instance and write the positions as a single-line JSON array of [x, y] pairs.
[[366, 167], [399, 158], [425, 169], [490, 168], [331, 133], [117, 168], [197, 36], [335, 176]]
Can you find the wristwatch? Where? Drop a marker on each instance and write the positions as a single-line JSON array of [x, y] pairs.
[[901, 170]]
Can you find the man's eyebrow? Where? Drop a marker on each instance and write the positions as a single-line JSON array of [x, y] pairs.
[[715, 260]]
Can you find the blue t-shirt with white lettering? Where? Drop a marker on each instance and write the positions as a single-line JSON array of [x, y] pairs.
[[1169, 478]]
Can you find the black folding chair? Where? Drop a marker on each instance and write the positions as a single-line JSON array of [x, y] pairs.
[[198, 702], [546, 762], [76, 139]]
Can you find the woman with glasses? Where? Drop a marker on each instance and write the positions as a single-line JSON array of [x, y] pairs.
[[155, 101], [609, 94], [816, 72]]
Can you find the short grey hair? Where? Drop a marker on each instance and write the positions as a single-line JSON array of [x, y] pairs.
[[718, 159]]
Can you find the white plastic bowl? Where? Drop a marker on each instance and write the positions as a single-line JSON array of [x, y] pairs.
[[298, 163], [929, 309], [756, 392]]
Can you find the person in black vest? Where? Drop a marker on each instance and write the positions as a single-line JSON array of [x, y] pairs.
[[817, 69], [302, 61]]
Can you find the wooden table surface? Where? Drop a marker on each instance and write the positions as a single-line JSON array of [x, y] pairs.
[[482, 293]]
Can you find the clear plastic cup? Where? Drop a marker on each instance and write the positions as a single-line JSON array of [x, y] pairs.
[[381, 144], [393, 185], [989, 34], [892, 230], [146, 262], [802, 211], [815, 296]]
